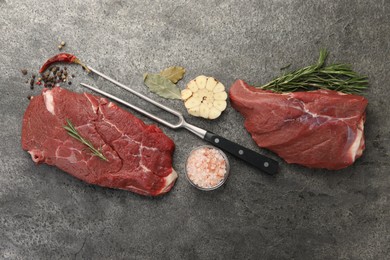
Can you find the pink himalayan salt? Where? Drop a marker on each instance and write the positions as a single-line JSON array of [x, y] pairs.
[[206, 167]]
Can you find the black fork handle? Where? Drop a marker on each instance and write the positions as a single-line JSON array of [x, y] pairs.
[[257, 160]]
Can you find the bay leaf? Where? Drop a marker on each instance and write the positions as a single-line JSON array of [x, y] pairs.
[[162, 86], [174, 73]]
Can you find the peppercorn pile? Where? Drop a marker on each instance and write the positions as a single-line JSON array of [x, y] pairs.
[[55, 75], [50, 78], [50, 75]]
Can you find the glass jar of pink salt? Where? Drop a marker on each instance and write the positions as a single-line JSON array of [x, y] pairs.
[[207, 167]]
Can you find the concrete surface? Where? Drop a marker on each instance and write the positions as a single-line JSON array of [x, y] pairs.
[[300, 214]]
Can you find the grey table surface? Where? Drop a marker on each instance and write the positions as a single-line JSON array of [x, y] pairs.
[[300, 214]]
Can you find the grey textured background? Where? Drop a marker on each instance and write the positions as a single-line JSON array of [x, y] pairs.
[[300, 214]]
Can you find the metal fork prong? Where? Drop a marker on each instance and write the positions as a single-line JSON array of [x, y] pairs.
[[138, 109], [168, 109]]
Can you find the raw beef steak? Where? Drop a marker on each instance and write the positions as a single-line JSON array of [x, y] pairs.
[[317, 129], [139, 155]]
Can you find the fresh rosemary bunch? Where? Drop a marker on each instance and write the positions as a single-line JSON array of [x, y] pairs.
[[338, 77], [76, 135]]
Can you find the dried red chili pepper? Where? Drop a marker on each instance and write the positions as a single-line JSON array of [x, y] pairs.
[[62, 57]]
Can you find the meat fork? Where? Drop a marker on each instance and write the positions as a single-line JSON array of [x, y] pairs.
[[255, 159]]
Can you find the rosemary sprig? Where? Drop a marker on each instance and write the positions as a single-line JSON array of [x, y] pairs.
[[339, 77], [73, 133]]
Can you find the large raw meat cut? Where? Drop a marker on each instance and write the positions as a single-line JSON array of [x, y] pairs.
[[317, 129], [139, 155]]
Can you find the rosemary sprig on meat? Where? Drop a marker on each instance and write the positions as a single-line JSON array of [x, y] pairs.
[[71, 130], [338, 77]]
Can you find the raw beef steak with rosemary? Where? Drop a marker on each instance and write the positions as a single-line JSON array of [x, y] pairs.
[[317, 129], [139, 155]]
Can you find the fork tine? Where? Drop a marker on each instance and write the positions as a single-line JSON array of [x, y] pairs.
[[140, 110], [168, 109]]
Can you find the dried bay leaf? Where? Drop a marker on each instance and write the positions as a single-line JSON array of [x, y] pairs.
[[174, 73], [162, 86]]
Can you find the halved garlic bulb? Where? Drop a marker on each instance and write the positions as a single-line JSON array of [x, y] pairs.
[[204, 97]]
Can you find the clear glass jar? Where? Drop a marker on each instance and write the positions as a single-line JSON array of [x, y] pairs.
[[207, 167]]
